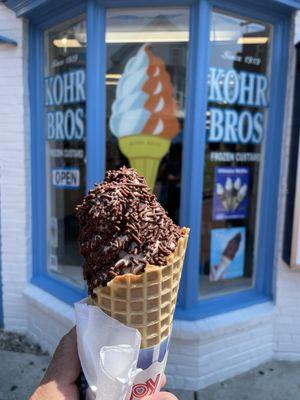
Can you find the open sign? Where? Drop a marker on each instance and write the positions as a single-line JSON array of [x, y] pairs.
[[66, 178]]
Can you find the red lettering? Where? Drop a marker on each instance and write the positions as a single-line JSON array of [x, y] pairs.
[[145, 389]]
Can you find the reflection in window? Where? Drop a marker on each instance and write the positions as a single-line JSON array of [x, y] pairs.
[[146, 86], [65, 145], [236, 126]]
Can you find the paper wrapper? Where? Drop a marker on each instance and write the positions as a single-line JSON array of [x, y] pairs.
[[123, 338], [114, 365], [144, 153]]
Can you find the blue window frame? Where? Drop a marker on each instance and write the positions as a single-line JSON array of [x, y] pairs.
[[54, 12]]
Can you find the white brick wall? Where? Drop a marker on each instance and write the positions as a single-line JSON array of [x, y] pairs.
[[14, 157], [48, 318], [202, 352], [217, 348]]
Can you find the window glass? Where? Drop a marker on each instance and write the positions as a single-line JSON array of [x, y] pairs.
[[65, 62], [146, 53], [238, 86]]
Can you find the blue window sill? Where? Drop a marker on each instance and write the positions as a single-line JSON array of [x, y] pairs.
[[219, 305], [59, 289]]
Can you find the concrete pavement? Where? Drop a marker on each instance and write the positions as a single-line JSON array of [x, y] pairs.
[[21, 372]]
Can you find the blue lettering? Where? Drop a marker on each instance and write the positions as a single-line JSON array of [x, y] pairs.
[[216, 125], [245, 127], [258, 123], [261, 89], [214, 87], [231, 121], [231, 86], [247, 88]]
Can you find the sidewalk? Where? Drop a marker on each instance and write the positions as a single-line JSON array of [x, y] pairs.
[[20, 372], [272, 381]]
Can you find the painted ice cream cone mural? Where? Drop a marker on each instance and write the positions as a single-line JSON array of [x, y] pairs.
[[227, 256], [144, 113]]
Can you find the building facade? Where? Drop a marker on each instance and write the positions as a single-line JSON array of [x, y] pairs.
[[199, 97]]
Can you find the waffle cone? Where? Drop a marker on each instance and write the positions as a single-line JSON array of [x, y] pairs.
[[146, 302]]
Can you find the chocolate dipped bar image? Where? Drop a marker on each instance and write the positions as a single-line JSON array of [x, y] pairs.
[[227, 256]]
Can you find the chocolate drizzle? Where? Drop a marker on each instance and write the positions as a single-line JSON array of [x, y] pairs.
[[122, 228]]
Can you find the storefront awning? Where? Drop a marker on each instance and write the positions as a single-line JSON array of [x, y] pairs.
[[29, 8]]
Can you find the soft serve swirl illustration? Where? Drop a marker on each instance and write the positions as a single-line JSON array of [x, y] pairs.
[[144, 113]]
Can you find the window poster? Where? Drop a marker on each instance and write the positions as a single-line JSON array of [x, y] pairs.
[[236, 129], [227, 253], [146, 73], [230, 193]]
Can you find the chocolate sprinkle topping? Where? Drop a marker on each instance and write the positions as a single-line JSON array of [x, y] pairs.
[[122, 228]]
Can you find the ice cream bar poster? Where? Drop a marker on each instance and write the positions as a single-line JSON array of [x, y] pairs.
[[231, 188], [227, 253]]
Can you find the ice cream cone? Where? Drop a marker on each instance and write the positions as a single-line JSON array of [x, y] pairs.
[[144, 153], [147, 301]]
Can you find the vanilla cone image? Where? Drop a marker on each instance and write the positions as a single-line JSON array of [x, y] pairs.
[[133, 254], [222, 196], [144, 113]]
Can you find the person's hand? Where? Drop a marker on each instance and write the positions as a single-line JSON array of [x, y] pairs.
[[59, 382], [161, 395]]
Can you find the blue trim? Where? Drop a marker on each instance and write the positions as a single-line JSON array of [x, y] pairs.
[[194, 148], [58, 288], [6, 40], [253, 8], [272, 161], [23, 7], [40, 276], [96, 67], [58, 13], [232, 302], [144, 3], [289, 3], [36, 85], [34, 8]]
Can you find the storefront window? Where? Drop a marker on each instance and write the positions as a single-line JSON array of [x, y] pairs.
[[238, 85], [146, 53], [65, 62]]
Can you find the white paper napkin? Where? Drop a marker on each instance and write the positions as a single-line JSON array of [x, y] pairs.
[[108, 352]]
